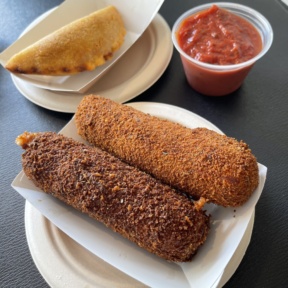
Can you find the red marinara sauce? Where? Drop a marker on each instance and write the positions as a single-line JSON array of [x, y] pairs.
[[217, 36]]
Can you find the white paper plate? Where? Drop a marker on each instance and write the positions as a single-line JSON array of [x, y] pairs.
[[135, 72], [208, 267], [71, 265], [136, 16]]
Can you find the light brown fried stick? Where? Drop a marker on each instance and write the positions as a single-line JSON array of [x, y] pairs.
[[198, 161], [129, 201]]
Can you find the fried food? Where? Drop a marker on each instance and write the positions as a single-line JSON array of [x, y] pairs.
[[198, 161], [129, 201], [79, 46]]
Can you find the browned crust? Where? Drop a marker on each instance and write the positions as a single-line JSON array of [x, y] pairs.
[[131, 202], [198, 161], [79, 46]]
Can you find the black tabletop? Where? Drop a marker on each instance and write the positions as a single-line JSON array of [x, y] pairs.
[[256, 113]]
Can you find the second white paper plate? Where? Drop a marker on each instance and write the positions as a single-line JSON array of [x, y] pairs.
[[136, 15], [135, 72]]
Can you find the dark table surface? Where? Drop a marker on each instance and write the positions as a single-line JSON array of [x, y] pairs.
[[257, 113]]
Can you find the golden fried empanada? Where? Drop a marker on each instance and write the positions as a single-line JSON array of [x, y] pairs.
[[79, 46]]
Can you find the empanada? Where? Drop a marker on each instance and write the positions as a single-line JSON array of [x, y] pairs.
[[79, 46]]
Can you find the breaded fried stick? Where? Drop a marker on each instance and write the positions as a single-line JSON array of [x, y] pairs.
[[129, 201], [198, 161]]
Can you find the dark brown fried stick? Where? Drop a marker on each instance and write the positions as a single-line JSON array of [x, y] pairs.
[[129, 201], [198, 161]]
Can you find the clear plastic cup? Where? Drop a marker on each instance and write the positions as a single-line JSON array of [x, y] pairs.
[[219, 80]]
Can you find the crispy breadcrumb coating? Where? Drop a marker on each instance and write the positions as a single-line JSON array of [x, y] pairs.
[[198, 161], [129, 201]]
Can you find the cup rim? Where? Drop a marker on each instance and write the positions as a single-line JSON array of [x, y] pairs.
[[227, 5]]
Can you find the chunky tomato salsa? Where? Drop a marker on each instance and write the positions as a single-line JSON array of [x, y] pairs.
[[217, 36]]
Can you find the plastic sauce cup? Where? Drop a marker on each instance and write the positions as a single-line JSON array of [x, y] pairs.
[[219, 80]]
